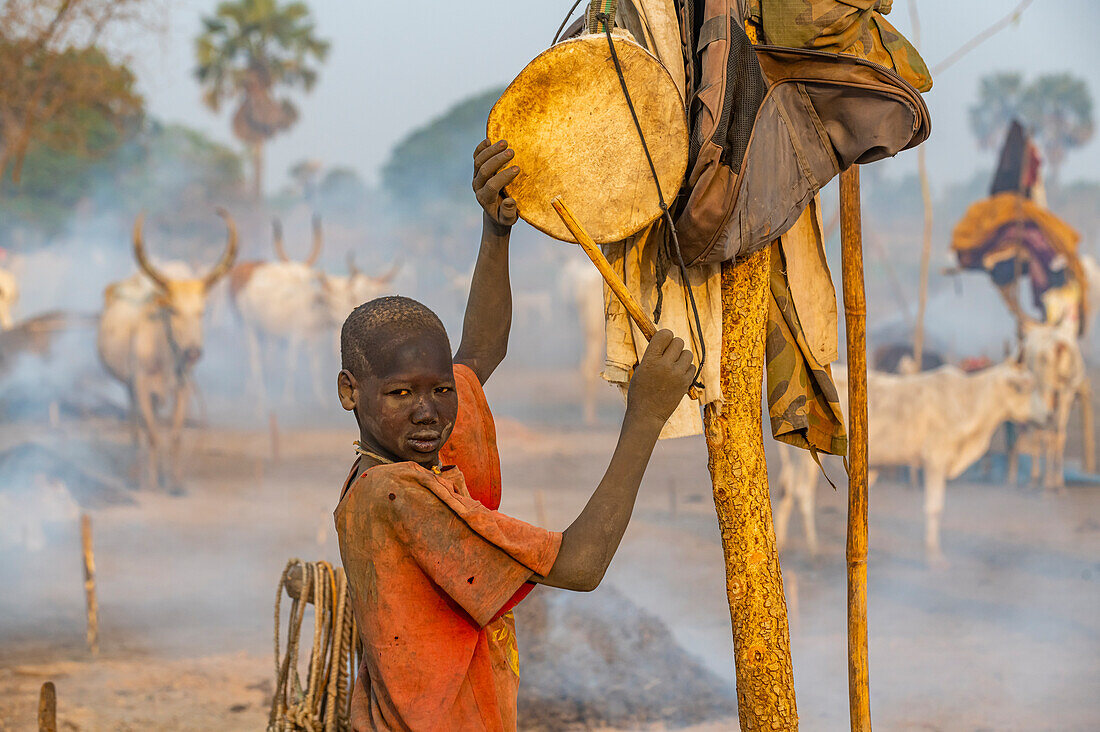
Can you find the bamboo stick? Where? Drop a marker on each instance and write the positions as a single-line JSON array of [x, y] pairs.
[[47, 708], [735, 443], [855, 322], [610, 276], [89, 584]]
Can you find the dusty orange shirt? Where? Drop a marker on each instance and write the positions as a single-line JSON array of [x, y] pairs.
[[431, 571]]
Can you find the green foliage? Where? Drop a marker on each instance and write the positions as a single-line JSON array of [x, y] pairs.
[[158, 167], [73, 101], [257, 43], [433, 166], [1056, 108]]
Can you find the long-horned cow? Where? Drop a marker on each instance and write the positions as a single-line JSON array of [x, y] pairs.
[[150, 338], [280, 301], [941, 421]]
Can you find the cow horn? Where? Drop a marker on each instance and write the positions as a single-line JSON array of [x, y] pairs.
[[277, 234], [315, 252], [139, 254], [230, 255], [388, 277], [352, 269]]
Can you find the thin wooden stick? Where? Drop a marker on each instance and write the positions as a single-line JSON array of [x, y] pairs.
[[47, 708], [1088, 428], [89, 584], [610, 276], [855, 321]]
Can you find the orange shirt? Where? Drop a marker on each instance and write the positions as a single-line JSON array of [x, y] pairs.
[[432, 571]]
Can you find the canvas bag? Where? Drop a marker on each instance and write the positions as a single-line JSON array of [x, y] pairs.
[[771, 125]]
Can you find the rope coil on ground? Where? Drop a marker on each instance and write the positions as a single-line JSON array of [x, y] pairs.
[[323, 704]]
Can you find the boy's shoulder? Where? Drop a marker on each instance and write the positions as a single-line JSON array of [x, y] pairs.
[[392, 486]]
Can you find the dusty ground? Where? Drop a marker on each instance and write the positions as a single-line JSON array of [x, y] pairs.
[[1006, 638]]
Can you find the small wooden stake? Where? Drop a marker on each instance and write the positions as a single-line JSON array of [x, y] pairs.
[[89, 584], [273, 429], [855, 322], [47, 708], [540, 509]]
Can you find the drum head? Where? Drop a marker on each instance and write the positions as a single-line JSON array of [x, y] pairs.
[[567, 120]]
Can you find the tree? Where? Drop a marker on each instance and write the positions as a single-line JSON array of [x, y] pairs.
[[247, 50], [433, 164], [158, 168], [999, 102], [1056, 109], [59, 88]]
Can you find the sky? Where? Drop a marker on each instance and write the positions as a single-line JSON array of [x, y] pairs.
[[395, 66]]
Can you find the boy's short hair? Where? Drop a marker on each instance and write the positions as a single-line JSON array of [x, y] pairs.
[[375, 326]]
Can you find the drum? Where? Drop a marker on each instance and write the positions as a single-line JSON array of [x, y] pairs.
[[567, 120]]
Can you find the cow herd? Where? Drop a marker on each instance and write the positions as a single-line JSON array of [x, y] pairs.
[[937, 422]]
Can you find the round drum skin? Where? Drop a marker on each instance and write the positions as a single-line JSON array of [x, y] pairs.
[[567, 120]]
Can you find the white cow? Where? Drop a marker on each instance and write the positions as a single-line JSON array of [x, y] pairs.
[[150, 338], [281, 302], [9, 295], [343, 293], [1054, 356], [940, 420]]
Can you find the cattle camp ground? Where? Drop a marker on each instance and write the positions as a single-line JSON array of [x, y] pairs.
[[181, 242]]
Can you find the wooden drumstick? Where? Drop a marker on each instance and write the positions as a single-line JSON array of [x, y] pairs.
[[610, 276]]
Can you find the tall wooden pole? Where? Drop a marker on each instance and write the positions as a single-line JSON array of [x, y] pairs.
[[735, 442], [855, 323]]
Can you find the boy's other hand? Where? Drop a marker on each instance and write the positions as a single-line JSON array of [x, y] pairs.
[[662, 378], [490, 177]]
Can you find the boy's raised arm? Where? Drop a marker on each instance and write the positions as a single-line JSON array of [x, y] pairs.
[[489, 308], [659, 383]]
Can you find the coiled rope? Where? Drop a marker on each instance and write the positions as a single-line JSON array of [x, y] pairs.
[[323, 704]]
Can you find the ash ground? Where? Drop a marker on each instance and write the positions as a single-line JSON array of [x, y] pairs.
[[1005, 638]]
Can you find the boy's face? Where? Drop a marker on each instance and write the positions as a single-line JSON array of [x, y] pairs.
[[407, 405]]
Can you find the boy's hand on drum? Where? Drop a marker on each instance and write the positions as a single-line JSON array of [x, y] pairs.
[[491, 174], [662, 378]]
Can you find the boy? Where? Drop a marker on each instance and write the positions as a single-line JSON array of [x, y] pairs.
[[433, 568]]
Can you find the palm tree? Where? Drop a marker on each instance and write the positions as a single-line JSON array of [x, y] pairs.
[[1058, 109], [247, 49]]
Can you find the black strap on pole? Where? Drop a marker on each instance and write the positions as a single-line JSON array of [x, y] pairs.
[[605, 20]]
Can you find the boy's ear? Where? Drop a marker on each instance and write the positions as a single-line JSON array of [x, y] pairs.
[[349, 390]]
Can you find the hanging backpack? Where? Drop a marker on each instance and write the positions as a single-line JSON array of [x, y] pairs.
[[771, 125]]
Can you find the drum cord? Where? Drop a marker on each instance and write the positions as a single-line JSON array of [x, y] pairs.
[[606, 19], [564, 21]]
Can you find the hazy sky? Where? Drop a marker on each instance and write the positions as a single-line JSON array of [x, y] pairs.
[[393, 66]]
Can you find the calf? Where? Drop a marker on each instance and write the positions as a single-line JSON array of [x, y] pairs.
[[940, 420]]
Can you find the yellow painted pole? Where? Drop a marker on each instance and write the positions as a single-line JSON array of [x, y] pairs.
[[855, 322], [739, 472]]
